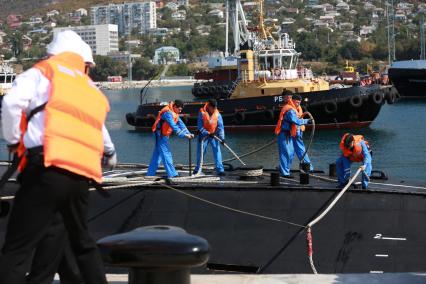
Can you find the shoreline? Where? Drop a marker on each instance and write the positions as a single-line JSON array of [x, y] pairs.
[[140, 84]]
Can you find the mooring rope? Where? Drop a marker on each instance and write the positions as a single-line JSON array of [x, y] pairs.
[[321, 216], [251, 152], [232, 209], [229, 149]]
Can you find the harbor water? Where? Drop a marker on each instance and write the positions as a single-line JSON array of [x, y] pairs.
[[397, 137]]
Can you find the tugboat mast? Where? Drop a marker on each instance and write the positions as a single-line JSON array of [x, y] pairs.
[[390, 13], [422, 37]]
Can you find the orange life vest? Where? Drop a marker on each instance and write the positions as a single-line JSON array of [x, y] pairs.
[[354, 155], [284, 110], [74, 117], [209, 122], [166, 130]]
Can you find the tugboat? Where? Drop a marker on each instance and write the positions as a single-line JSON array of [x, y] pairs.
[[266, 68]]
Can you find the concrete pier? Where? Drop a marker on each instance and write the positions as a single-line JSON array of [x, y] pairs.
[[370, 278]]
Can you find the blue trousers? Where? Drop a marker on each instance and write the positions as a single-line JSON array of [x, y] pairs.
[[286, 152], [217, 154], [299, 148], [161, 154], [343, 169]]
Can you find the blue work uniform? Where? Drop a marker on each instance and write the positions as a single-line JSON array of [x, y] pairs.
[[343, 167], [299, 148], [286, 142], [162, 151], [204, 134]]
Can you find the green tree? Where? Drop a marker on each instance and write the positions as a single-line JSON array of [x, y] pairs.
[[179, 70], [142, 69], [17, 44], [105, 67]]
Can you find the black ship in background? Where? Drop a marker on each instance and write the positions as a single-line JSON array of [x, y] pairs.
[[409, 78], [251, 96]]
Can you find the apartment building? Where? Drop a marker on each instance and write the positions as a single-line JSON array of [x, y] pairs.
[[135, 16]]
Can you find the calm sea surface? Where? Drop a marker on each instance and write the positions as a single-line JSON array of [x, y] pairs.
[[397, 136]]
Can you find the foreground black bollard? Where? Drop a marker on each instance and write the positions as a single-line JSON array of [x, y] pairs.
[[275, 178], [155, 254], [332, 170]]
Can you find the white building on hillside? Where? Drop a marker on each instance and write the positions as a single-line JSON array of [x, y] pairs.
[[166, 54], [101, 38], [139, 16]]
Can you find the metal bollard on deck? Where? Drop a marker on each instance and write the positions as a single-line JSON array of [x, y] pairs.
[[332, 170], [275, 179], [155, 254]]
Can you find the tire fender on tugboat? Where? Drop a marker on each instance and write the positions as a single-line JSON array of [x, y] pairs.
[[239, 117], [356, 101], [377, 98], [330, 107], [390, 97], [269, 114]]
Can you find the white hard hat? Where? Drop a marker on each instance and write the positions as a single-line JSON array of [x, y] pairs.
[[86, 51], [64, 41]]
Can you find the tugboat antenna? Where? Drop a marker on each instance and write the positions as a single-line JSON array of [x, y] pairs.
[[422, 37], [390, 14]]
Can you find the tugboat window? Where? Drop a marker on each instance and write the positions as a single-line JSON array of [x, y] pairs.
[[286, 62], [269, 62], [263, 91]]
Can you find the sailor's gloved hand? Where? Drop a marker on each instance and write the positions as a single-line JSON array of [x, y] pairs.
[[189, 136], [109, 160], [222, 142], [211, 135], [12, 148]]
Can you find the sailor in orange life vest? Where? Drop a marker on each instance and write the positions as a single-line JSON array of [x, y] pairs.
[[59, 161], [287, 129], [299, 146], [354, 149], [167, 122], [53, 253], [210, 123]]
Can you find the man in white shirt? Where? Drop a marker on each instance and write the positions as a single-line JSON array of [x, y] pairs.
[[50, 182]]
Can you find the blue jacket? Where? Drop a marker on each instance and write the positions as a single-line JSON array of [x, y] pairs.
[[291, 118], [365, 153], [179, 128]]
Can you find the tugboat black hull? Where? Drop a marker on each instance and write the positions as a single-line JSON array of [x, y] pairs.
[[336, 108], [410, 83]]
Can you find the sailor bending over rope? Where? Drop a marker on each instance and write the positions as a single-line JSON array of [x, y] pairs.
[[354, 149]]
